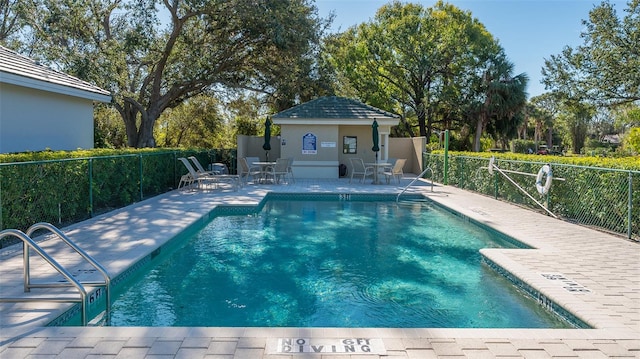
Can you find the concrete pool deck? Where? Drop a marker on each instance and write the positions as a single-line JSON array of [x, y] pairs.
[[593, 275]]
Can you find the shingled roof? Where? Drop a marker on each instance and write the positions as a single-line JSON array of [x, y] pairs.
[[334, 108], [22, 71]]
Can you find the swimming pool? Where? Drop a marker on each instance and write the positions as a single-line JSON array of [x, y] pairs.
[[330, 264]]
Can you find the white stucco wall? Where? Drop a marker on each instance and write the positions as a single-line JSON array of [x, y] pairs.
[[34, 120]]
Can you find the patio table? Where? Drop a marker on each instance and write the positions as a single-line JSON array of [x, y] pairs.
[[377, 166], [263, 169]]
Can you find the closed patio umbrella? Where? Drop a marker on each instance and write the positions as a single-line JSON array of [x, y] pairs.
[[267, 137], [376, 139]]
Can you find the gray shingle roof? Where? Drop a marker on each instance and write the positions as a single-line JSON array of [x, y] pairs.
[[20, 70], [334, 107]]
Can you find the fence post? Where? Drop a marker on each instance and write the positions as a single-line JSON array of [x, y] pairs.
[[446, 157], [140, 166], [91, 187], [629, 206], [1, 227]]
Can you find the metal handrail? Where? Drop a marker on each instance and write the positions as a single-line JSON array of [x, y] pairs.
[[51, 228], [414, 180], [29, 243]]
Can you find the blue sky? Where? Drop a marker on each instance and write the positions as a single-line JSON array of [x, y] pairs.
[[529, 30]]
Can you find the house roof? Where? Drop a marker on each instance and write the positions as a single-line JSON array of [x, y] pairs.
[[335, 110], [22, 71]]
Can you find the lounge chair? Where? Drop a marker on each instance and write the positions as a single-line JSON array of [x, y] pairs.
[[359, 169], [216, 175], [395, 171], [279, 171], [245, 170], [199, 167], [193, 176]]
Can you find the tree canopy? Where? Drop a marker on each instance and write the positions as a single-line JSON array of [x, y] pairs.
[[431, 64], [600, 79], [605, 70], [154, 54]]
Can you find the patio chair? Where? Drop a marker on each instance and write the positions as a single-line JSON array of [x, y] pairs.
[[279, 171], [395, 171], [245, 170], [195, 176], [218, 176], [199, 167], [251, 160], [359, 169], [290, 169]]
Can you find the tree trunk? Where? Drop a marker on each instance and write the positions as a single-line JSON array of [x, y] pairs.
[[142, 136], [129, 116], [479, 127], [145, 137], [422, 116]]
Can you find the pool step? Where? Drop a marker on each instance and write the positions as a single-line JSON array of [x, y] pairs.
[[414, 201]]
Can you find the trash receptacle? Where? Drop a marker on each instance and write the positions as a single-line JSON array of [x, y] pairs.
[[342, 170]]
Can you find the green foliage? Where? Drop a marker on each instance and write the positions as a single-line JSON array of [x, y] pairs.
[[605, 70], [66, 187], [632, 141], [109, 131], [631, 163], [419, 62], [246, 114], [523, 146], [151, 65], [197, 122]]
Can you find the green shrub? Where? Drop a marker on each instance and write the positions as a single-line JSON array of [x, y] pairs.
[[594, 190], [64, 187]]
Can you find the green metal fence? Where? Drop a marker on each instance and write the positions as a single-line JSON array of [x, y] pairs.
[[608, 199], [66, 191]]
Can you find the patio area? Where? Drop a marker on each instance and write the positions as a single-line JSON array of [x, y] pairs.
[[592, 275]]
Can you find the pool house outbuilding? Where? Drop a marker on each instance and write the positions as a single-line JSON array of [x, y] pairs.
[[323, 133]]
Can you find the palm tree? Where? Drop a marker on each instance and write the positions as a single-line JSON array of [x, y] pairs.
[[546, 109], [504, 97]]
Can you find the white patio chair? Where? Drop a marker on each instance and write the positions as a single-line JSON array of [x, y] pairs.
[[395, 171], [245, 170], [279, 171], [290, 169], [359, 169]]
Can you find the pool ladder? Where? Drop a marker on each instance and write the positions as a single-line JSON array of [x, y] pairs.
[[29, 243], [414, 181]]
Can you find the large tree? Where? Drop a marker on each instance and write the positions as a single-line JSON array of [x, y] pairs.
[[605, 70], [413, 59], [154, 54]]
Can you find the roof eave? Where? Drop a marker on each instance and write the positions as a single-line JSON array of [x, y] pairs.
[[382, 121], [101, 96]]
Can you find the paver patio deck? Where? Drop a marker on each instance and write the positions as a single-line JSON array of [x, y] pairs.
[[605, 267]]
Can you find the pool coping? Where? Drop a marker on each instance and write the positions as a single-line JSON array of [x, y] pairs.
[[616, 321]]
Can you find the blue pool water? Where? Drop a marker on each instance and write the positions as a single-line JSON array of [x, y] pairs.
[[330, 264]]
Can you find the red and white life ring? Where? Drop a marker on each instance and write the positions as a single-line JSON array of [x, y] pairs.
[[545, 170]]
